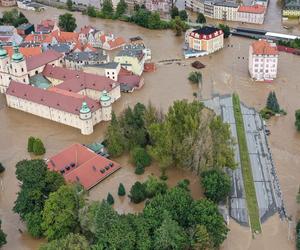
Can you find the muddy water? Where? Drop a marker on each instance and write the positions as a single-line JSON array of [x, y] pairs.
[[225, 72]]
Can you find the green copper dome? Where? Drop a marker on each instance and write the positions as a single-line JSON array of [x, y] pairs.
[[3, 52], [104, 97], [17, 56], [84, 108]]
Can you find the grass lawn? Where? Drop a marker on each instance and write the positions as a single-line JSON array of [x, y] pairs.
[[246, 167]]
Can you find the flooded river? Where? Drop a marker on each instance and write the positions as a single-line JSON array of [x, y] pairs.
[[225, 72]]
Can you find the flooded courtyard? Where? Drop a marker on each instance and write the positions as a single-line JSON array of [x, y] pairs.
[[225, 72]]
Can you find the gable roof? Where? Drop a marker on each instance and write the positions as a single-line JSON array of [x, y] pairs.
[[48, 56], [65, 37], [254, 9], [39, 38], [262, 47], [77, 163], [58, 100], [25, 51]]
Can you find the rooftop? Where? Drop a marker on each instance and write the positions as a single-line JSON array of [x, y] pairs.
[[255, 9], [25, 26], [77, 163], [109, 65], [87, 56], [206, 30], [262, 47], [42, 59], [61, 100]]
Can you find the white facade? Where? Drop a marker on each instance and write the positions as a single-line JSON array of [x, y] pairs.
[[195, 5], [262, 66], [225, 12]]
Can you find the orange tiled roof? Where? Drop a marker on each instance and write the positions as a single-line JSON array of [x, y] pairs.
[[255, 9], [63, 36], [40, 38], [262, 47], [115, 43], [26, 51]]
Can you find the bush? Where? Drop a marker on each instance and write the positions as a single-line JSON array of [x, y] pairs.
[[298, 235], [38, 147], [137, 192], [195, 77], [216, 185], [297, 121], [30, 143], [154, 186], [2, 168], [139, 156], [110, 199], [139, 169], [266, 113], [184, 184], [121, 190]]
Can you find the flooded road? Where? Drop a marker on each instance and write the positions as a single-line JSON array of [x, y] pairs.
[[225, 72]]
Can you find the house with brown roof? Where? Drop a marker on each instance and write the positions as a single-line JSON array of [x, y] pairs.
[[251, 13], [79, 164]]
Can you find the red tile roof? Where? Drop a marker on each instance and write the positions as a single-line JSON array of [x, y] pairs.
[[39, 38], [79, 164], [116, 43], [86, 29], [42, 59], [60, 101], [65, 37], [262, 47], [26, 51], [74, 80], [255, 9], [131, 80]]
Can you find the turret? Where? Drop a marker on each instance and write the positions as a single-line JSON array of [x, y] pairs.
[[85, 115], [18, 66], [4, 59], [105, 101]]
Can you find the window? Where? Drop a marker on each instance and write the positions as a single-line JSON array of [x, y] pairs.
[[22, 69]]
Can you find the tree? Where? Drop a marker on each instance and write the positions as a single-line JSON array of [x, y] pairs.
[[64, 204], [13, 17], [91, 11], [38, 147], [34, 224], [30, 143], [184, 184], [225, 29], [200, 238], [115, 139], [297, 119], [2, 168], [154, 21], [170, 235], [70, 242], [174, 12], [183, 15], [2, 236], [272, 103], [205, 212], [110, 199], [107, 8], [67, 22], [178, 26], [298, 235], [216, 185], [121, 190], [137, 192], [195, 77], [154, 186], [139, 156], [139, 169], [201, 18], [69, 5], [121, 8]]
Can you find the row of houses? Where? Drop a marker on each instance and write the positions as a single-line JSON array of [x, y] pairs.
[[229, 11]]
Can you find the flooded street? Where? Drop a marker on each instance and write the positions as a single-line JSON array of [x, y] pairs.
[[225, 72]]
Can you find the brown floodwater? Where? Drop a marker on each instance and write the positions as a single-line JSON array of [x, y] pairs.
[[225, 72]]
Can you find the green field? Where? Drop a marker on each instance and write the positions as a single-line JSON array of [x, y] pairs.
[[246, 167]]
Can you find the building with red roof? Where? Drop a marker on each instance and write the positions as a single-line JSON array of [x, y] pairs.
[[263, 60], [46, 26], [251, 13], [79, 164]]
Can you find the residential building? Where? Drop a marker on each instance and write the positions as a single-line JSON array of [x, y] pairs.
[[263, 60], [262, 2], [110, 70], [76, 60], [226, 11], [209, 8], [206, 39], [162, 6], [291, 8], [79, 164], [8, 3], [8, 34], [251, 14], [25, 29], [195, 5], [90, 35], [132, 58], [46, 26], [111, 43], [94, 3]]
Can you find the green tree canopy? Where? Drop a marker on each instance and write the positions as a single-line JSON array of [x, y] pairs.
[[154, 186], [195, 77], [201, 18], [69, 5], [272, 103], [107, 8], [13, 17], [64, 204], [67, 22], [297, 119], [34, 224], [2, 236], [38, 147], [121, 8], [174, 12], [137, 192], [121, 190], [216, 185], [110, 199], [30, 143], [183, 15], [91, 11], [225, 29], [139, 156], [70, 242], [200, 238]]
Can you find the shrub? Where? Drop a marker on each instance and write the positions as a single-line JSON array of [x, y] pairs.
[[121, 190], [2, 168], [110, 199], [137, 192], [266, 113], [139, 156], [139, 169], [216, 185], [30, 143], [297, 121], [154, 186], [38, 147], [195, 77], [184, 184]]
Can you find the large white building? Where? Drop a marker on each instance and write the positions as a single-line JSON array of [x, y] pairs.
[[226, 11], [38, 85], [251, 14], [263, 60]]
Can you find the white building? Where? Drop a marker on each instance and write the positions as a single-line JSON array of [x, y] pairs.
[[195, 5], [226, 11], [263, 60], [162, 6], [251, 14]]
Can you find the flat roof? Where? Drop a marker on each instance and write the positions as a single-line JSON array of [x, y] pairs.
[[279, 35]]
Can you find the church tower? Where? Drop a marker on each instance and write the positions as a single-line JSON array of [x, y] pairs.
[[85, 115], [18, 68], [105, 101], [4, 70]]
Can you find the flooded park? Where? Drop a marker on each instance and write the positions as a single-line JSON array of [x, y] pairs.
[[226, 72]]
